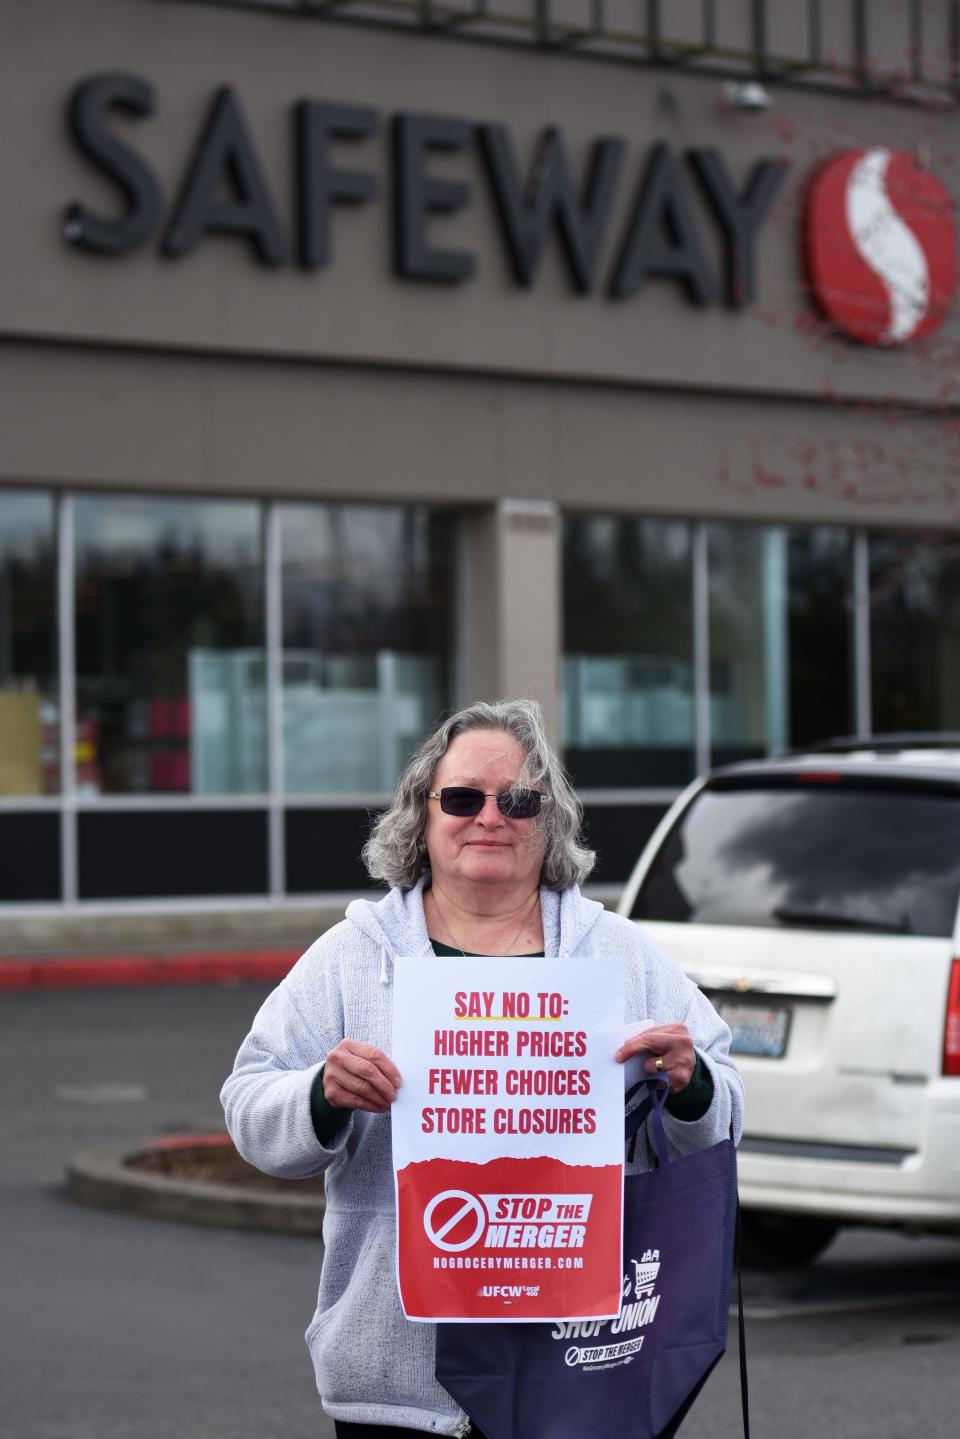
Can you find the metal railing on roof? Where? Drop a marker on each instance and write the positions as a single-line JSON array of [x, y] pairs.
[[907, 50]]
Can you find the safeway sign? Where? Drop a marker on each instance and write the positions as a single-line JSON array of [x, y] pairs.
[[881, 245], [508, 1138]]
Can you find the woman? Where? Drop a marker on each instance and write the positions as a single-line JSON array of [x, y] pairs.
[[481, 851]]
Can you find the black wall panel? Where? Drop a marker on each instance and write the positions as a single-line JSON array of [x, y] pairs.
[[168, 855], [618, 832], [323, 850], [29, 858]]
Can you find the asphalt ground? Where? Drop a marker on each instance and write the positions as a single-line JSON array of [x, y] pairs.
[[120, 1326]]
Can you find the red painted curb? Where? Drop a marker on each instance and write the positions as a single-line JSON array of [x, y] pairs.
[[189, 1141], [123, 970]]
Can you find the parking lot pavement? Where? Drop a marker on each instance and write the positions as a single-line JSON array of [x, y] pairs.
[[116, 1326], [867, 1375], [863, 1271]]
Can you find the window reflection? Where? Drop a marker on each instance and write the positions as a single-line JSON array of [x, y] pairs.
[[748, 641], [367, 612], [820, 633], [915, 631], [170, 661], [780, 642], [855, 857], [29, 717], [781, 653], [628, 651]]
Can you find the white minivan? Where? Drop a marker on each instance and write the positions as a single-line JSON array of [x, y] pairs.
[[815, 900]]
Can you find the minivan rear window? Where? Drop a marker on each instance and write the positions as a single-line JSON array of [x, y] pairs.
[[868, 859]]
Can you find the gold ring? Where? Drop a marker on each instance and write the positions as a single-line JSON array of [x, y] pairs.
[[658, 1064]]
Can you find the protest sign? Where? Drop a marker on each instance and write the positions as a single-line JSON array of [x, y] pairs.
[[508, 1138]]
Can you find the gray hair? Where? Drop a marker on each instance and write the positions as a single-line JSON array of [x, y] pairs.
[[395, 852]]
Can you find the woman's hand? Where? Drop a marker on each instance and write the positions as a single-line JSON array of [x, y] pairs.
[[358, 1076], [673, 1044]]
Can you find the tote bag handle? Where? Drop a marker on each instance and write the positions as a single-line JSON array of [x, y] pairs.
[[742, 1337], [650, 1108]]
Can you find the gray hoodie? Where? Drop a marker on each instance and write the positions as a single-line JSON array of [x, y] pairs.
[[373, 1366]]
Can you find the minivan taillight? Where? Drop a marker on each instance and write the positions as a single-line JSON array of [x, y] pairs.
[[951, 1030]]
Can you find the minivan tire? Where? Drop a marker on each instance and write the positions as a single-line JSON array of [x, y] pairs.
[[782, 1241]]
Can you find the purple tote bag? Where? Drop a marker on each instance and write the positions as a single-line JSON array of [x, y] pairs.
[[634, 1377]]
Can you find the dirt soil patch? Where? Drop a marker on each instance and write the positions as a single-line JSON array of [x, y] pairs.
[[217, 1164]]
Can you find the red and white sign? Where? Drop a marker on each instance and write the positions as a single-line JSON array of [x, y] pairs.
[[880, 245], [508, 1138]]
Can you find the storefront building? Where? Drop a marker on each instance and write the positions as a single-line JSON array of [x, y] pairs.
[[362, 360]]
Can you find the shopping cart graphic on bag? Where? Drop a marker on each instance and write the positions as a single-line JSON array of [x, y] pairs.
[[644, 1276]]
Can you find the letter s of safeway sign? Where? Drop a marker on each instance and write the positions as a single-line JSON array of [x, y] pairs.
[[508, 1138]]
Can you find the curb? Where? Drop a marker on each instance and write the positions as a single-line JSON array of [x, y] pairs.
[[131, 970], [104, 1179]]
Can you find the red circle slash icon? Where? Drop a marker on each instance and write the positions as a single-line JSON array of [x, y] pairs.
[[880, 245], [454, 1219]]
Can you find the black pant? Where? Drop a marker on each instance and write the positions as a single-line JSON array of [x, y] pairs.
[[389, 1431]]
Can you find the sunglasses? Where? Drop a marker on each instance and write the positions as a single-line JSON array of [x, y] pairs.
[[462, 801]]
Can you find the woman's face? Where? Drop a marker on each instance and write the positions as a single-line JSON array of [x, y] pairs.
[[484, 848]]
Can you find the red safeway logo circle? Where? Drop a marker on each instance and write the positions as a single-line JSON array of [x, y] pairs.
[[880, 245]]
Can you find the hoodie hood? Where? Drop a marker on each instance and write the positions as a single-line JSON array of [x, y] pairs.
[[396, 923]]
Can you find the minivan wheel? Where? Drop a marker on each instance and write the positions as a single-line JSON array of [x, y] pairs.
[[782, 1241]]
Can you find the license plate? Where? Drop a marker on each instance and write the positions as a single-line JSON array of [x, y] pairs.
[[756, 1030]]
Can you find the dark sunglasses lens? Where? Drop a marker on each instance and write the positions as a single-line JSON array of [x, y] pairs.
[[461, 801], [519, 803]]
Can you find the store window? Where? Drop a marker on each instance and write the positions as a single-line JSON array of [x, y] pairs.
[[368, 601], [170, 647], [29, 711], [780, 644], [628, 651], [820, 633], [747, 590], [915, 631], [780, 638]]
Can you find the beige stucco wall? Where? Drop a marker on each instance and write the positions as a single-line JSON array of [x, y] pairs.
[[118, 419], [213, 373], [220, 299]]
